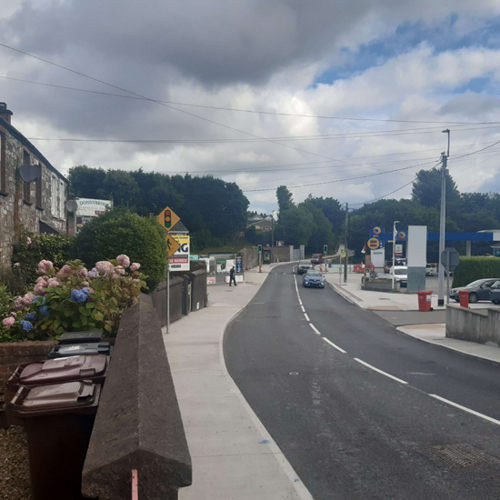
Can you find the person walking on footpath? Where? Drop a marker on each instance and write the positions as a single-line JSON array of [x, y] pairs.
[[232, 276]]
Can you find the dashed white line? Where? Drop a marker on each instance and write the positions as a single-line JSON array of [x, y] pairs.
[[381, 372], [307, 317], [314, 328], [468, 410], [333, 345], [303, 308]]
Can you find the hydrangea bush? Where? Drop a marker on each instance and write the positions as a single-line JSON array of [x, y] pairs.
[[73, 299]]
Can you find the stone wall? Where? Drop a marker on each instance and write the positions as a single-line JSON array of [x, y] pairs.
[[474, 325], [26, 208]]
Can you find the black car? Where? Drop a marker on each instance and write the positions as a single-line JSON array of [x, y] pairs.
[[303, 266], [495, 293], [478, 290]]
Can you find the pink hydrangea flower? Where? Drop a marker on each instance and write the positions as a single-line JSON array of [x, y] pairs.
[[28, 241], [17, 264], [8, 322], [115, 276], [82, 273], [13, 314], [19, 304], [40, 288], [119, 270], [123, 260], [89, 288], [28, 299], [53, 282], [65, 271], [105, 268], [85, 283], [135, 266], [44, 266]]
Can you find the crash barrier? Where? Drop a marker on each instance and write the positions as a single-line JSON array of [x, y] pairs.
[[138, 423], [359, 268], [473, 325]]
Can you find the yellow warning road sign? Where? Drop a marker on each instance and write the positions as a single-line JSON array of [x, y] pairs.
[[168, 218], [172, 245]]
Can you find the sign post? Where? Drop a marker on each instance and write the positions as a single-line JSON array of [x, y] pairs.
[[167, 218], [451, 258]]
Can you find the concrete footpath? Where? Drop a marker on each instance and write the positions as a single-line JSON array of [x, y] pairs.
[[233, 455], [401, 309]]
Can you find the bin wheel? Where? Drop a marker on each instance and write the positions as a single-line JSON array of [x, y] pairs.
[[496, 302], [457, 300], [472, 298]]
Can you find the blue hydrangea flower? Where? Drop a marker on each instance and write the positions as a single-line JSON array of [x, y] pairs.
[[44, 311], [31, 316], [79, 296], [38, 297], [27, 326], [85, 291]]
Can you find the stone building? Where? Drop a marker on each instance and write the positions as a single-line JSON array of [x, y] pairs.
[[39, 205]]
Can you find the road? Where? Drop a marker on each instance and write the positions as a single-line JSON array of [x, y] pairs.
[[351, 432]]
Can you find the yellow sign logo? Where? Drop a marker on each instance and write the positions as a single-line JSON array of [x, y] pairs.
[[377, 231], [373, 243]]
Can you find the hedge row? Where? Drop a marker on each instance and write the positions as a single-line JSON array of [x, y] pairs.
[[475, 268]]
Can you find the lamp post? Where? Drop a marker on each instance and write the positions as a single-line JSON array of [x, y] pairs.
[[442, 221], [394, 233]]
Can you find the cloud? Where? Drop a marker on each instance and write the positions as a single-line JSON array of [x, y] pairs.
[[255, 55]]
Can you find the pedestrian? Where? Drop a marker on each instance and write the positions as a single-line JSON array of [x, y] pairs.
[[232, 276]]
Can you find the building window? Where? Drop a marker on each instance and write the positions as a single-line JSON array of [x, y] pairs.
[[38, 189], [26, 185]]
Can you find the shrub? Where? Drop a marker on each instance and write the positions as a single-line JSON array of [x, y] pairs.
[[30, 250], [120, 231], [475, 268], [72, 299]]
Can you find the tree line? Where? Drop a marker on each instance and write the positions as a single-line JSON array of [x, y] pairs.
[[215, 211]]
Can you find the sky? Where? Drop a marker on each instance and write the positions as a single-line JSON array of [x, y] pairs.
[[330, 98]]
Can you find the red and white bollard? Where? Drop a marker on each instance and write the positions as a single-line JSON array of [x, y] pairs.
[[260, 268]]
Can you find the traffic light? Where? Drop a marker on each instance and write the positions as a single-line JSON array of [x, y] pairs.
[[168, 219], [325, 249], [260, 249]]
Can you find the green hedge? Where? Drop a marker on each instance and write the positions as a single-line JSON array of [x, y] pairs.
[[475, 268], [120, 231]]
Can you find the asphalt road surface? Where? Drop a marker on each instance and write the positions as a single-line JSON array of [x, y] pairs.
[[361, 410]]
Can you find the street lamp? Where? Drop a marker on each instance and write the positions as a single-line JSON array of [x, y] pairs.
[[394, 234]]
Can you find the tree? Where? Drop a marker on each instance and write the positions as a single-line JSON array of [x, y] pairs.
[[85, 181], [427, 189], [322, 229], [285, 200], [332, 210], [296, 225]]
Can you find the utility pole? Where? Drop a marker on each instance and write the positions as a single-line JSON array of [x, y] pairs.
[[345, 239], [442, 221], [394, 234]]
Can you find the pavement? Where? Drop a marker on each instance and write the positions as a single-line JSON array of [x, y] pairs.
[[234, 457]]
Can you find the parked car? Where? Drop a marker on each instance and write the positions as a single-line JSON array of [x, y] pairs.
[[400, 275], [303, 266], [431, 270], [314, 278], [478, 290], [317, 258], [495, 293]]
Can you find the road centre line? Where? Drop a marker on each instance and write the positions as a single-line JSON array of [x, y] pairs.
[[307, 317], [380, 371], [303, 308], [468, 410], [314, 328], [333, 345]]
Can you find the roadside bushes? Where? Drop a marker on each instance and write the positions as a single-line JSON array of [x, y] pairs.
[[120, 231], [475, 268], [71, 299], [30, 250]]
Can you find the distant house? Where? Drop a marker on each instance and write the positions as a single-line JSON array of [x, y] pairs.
[[38, 206], [262, 224]]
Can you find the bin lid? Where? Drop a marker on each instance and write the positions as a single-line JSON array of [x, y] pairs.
[[92, 349], [69, 397], [63, 369], [80, 337]]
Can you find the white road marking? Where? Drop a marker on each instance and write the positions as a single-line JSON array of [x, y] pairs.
[[380, 371], [303, 308], [468, 410], [333, 345], [307, 317], [314, 328]]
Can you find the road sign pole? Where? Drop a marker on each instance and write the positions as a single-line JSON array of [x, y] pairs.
[[168, 296], [447, 277]]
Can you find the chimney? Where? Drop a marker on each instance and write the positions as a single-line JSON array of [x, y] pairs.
[[4, 112]]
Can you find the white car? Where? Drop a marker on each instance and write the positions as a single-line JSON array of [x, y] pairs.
[[400, 274]]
